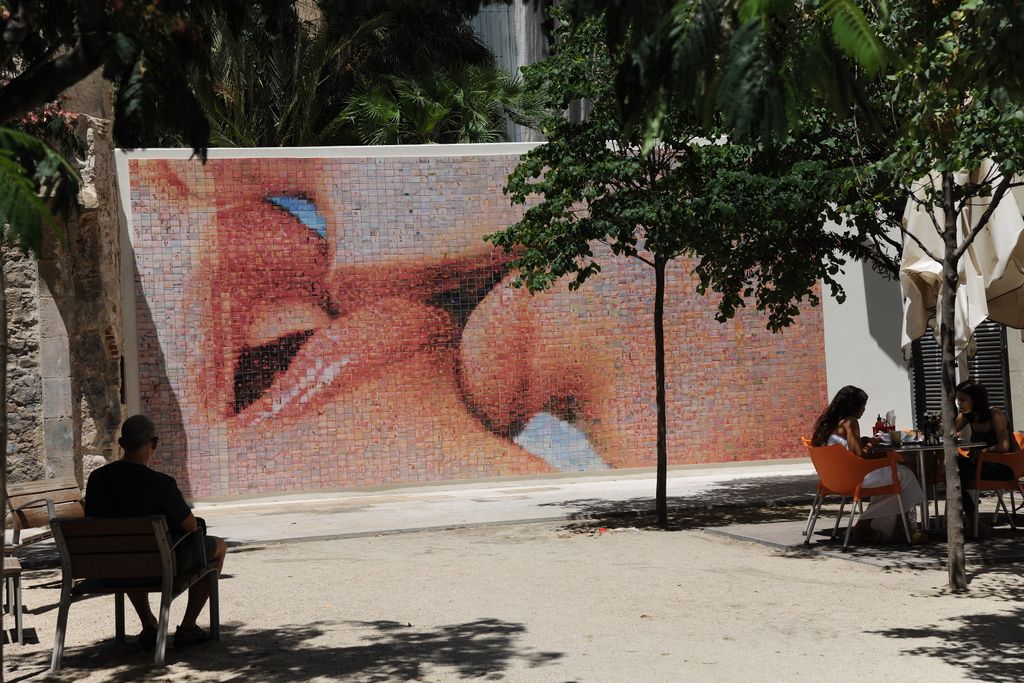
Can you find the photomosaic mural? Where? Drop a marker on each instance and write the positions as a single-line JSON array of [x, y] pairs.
[[334, 321]]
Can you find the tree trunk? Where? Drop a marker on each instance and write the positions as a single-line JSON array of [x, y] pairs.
[[956, 562], [3, 426], [661, 489]]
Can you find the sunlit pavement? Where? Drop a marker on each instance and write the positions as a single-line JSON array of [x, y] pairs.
[[345, 514]]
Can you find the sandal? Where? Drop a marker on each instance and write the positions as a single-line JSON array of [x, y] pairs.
[[864, 533], [147, 639], [189, 636]]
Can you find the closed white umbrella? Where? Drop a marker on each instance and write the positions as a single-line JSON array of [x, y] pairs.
[[991, 270]]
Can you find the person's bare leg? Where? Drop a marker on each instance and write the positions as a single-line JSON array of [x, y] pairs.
[[199, 593], [140, 601]]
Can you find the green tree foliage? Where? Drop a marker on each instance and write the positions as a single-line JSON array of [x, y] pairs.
[[279, 80], [33, 178], [750, 215], [153, 52], [330, 73], [918, 88], [751, 61], [955, 100], [470, 104]]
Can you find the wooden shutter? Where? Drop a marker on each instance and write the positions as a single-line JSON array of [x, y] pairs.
[[989, 367]]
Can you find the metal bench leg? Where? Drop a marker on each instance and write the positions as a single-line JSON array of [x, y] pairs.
[[214, 605], [62, 623], [161, 633], [119, 616], [17, 609]]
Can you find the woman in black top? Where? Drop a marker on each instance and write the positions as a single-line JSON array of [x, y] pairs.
[[988, 425]]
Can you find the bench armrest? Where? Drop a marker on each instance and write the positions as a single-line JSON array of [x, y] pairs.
[[187, 534], [198, 538]]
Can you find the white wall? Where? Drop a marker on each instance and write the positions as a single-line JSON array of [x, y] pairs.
[[862, 344], [1015, 358]]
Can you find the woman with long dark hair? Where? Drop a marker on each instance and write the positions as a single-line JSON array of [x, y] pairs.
[[979, 421], [838, 424]]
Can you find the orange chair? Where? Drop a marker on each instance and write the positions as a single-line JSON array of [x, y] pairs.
[[1019, 436], [1015, 461], [842, 473], [818, 496]]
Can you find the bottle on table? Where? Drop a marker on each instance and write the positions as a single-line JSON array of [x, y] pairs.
[[879, 426]]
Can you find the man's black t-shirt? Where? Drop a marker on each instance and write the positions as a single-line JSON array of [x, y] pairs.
[[128, 489]]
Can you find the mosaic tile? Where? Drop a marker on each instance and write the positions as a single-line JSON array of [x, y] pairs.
[[324, 323]]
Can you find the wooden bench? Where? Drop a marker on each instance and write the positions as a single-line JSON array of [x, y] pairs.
[[28, 504], [116, 555], [12, 588]]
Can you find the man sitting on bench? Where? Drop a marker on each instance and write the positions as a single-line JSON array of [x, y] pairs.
[[129, 488]]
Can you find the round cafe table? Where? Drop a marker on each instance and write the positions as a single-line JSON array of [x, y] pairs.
[[925, 452]]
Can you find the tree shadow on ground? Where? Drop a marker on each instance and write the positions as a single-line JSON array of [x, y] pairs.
[[50, 579], [689, 519], [744, 501], [385, 651], [986, 647], [38, 555]]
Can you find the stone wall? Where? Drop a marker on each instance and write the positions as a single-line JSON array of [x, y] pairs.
[[24, 377], [95, 333], [64, 379]]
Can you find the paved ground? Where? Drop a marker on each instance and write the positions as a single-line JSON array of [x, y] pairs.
[[1000, 546], [341, 515], [348, 514], [603, 598]]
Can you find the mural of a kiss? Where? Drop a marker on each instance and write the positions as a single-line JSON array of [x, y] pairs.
[[323, 323]]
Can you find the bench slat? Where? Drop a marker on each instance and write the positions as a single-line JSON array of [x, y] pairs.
[[112, 566], [95, 526], [12, 566], [122, 543], [32, 496], [39, 516], [42, 486], [39, 499]]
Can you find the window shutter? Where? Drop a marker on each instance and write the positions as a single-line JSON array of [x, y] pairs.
[[926, 372], [989, 367]]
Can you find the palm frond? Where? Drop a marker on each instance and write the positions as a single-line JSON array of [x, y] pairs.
[[750, 96], [855, 36], [35, 182], [750, 9]]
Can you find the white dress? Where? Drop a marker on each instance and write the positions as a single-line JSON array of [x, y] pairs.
[[884, 511]]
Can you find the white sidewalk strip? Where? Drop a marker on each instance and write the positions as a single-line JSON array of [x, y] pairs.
[[346, 513]]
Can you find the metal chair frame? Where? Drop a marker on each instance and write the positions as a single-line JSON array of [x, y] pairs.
[[857, 494]]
